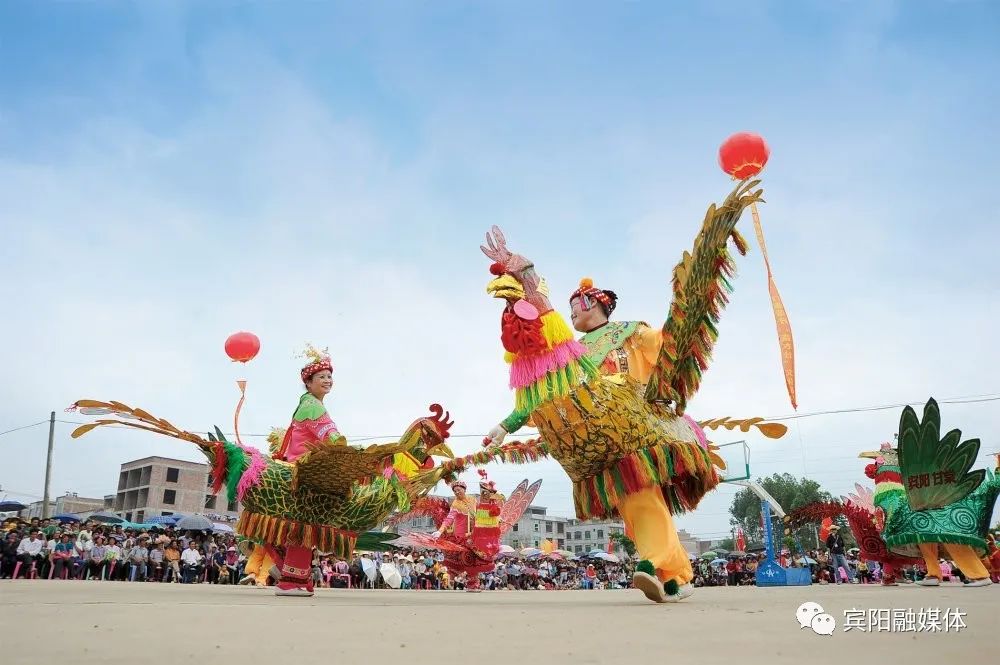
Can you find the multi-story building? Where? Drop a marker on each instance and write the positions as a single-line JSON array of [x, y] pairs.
[[163, 486], [72, 503], [535, 527], [584, 536]]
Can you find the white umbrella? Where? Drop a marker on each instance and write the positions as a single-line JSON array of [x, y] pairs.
[[506, 549], [391, 575], [607, 557], [369, 568]]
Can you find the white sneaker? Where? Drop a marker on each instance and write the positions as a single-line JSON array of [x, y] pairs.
[[685, 591], [929, 581], [247, 579], [983, 582], [650, 586]]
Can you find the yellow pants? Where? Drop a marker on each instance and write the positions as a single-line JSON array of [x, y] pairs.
[[651, 527], [258, 565], [963, 556]]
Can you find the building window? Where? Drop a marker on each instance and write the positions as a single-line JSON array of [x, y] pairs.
[[514, 529], [140, 516], [232, 507], [577, 536], [560, 527], [536, 527], [536, 543], [586, 535], [548, 527], [172, 474], [169, 496], [166, 512], [600, 534], [210, 501]]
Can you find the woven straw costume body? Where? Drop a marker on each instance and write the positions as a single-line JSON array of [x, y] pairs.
[[326, 498], [622, 443]]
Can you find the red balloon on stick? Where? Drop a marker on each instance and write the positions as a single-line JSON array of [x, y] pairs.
[[743, 155], [242, 346]]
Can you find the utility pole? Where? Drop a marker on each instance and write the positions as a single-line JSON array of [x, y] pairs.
[[48, 466]]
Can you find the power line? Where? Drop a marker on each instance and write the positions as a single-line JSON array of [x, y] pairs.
[[967, 399], [18, 429]]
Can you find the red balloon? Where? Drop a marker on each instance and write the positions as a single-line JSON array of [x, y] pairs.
[[242, 346], [743, 155]]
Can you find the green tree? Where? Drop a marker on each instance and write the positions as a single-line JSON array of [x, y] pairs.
[[727, 544], [790, 493]]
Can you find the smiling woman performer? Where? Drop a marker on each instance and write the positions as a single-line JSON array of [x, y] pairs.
[[310, 423]]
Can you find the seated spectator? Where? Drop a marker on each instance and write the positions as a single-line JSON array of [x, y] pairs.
[[62, 558], [30, 552], [215, 561], [97, 563], [232, 564], [192, 563], [172, 559], [117, 560], [8, 555], [138, 558], [154, 568]]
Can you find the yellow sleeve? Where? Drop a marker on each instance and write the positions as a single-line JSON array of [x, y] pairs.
[[643, 348]]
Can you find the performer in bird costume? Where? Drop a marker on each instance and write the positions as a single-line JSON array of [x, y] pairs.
[[926, 496], [470, 530], [627, 445], [314, 491]]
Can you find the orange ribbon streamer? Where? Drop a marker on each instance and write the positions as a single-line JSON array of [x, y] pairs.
[[780, 316], [242, 383]]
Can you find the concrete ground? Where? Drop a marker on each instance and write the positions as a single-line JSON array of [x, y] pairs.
[[111, 623]]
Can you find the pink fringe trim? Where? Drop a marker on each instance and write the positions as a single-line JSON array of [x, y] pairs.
[[525, 371], [251, 477], [698, 431]]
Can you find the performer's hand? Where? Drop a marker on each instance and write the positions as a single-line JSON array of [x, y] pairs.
[[436, 534], [495, 437]]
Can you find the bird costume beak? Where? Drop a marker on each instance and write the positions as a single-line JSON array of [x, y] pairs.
[[441, 450], [870, 454], [506, 287]]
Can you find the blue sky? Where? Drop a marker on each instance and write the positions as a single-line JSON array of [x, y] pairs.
[[173, 172]]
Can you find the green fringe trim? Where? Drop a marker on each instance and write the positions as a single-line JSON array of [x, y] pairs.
[[645, 566], [557, 383], [237, 461]]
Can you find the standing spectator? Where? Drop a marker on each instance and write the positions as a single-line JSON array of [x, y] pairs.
[[192, 563], [29, 552], [835, 543]]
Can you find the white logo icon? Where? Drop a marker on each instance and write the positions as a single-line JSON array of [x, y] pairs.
[[806, 613], [823, 624]]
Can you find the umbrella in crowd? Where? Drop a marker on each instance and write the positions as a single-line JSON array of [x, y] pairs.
[[530, 551], [709, 555], [807, 560], [607, 557], [195, 523], [66, 517], [219, 527], [168, 520], [10, 506], [507, 549], [106, 518], [391, 575], [718, 561]]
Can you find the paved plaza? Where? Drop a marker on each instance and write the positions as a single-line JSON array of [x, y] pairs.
[[111, 623]]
